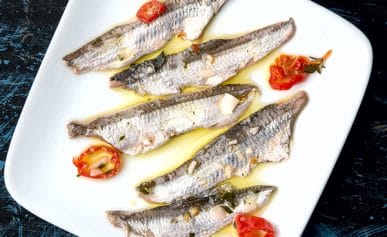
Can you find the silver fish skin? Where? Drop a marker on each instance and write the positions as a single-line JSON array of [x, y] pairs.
[[207, 64], [199, 217], [262, 137], [125, 44], [147, 126]]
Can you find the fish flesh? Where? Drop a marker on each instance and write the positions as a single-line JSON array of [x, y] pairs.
[[147, 126], [198, 217], [207, 64], [262, 137], [125, 44]]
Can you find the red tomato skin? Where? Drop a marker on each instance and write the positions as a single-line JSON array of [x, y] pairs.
[[83, 166], [277, 72], [250, 226], [300, 63], [285, 60], [287, 71], [150, 11]]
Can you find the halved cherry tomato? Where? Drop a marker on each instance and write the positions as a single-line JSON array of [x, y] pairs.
[[289, 70], [252, 226], [98, 162], [150, 11]]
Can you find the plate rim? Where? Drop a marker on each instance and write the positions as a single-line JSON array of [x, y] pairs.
[[33, 90]]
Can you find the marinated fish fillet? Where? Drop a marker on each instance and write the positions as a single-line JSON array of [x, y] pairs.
[[198, 217], [125, 44], [208, 64], [147, 126], [262, 137]]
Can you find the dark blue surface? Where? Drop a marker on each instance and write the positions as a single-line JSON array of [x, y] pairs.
[[354, 200]]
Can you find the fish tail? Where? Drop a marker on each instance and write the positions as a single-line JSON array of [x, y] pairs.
[[76, 129], [297, 102], [69, 58], [117, 218], [69, 61]]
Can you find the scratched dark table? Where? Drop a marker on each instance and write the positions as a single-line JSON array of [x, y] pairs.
[[354, 200]]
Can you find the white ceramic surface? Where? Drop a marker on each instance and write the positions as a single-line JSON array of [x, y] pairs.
[[39, 173]]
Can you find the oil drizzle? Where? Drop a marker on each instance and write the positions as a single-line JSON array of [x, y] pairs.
[[182, 148]]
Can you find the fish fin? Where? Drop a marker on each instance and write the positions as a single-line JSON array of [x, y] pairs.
[[76, 129]]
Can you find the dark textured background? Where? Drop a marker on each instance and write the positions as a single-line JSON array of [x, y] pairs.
[[354, 200]]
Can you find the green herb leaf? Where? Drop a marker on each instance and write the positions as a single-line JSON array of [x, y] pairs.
[[225, 195], [316, 65], [174, 221], [310, 68], [145, 187], [120, 57], [160, 60], [227, 209]]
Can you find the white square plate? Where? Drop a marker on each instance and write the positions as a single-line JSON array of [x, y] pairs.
[[39, 173]]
